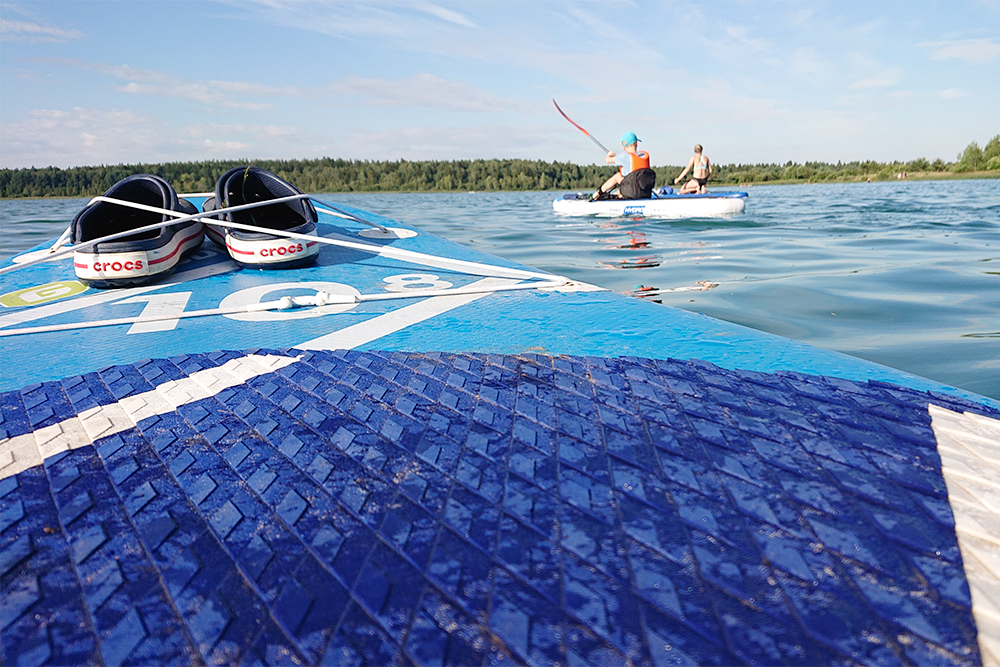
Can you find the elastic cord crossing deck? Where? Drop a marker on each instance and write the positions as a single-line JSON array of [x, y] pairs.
[[57, 251]]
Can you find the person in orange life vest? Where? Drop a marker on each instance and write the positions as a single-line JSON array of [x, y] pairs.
[[701, 171], [630, 160]]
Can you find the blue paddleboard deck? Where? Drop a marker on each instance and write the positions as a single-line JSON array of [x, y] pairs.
[[393, 507]]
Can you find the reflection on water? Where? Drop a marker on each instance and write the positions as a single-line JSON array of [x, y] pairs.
[[644, 262], [902, 273], [651, 293], [634, 239]]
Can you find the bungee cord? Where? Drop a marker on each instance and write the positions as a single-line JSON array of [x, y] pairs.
[[321, 298], [462, 266]]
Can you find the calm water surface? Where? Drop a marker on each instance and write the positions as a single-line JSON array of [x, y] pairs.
[[904, 274]]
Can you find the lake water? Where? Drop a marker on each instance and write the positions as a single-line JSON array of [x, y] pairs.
[[906, 274]]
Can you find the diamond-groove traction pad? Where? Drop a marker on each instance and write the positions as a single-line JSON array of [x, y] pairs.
[[395, 508]]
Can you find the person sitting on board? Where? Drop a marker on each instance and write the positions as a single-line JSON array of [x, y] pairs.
[[701, 171], [634, 178]]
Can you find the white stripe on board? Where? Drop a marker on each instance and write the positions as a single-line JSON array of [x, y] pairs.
[[98, 297], [383, 325], [969, 446], [25, 451]]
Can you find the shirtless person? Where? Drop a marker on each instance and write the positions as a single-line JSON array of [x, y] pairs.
[[701, 171]]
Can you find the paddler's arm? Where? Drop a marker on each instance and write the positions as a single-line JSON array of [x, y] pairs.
[[689, 164]]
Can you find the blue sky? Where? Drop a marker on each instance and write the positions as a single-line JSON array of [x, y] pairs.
[[86, 83]]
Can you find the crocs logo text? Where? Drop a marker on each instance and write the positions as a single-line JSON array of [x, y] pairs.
[[118, 266], [282, 250]]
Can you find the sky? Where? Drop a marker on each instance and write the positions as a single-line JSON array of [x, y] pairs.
[[130, 81]]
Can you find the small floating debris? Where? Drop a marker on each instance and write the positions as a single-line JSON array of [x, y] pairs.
[[634, 263], [643, 291]]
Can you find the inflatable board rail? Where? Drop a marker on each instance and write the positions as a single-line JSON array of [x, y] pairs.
[[714, 204]]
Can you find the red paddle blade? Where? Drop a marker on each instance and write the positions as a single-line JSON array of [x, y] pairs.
[[578, 127], [570, 119]]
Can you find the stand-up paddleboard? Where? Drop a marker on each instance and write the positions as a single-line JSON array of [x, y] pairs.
[[410, 451], [661, 206]]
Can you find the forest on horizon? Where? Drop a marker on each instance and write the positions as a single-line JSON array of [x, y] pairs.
[[338, 175]]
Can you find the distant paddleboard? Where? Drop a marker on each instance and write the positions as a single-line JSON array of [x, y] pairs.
[[662, 206]]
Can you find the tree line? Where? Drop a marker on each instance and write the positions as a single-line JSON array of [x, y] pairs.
[[338, 175]]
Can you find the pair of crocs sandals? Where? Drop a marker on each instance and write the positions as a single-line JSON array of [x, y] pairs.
[[149, 203]]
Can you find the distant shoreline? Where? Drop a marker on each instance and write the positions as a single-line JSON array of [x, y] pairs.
[[930, 176], [910, 176], [337, 176]]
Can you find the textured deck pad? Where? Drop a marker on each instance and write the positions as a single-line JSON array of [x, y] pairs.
[[388, 508]]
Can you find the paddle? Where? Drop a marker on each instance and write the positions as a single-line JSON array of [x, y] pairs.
[[606, 151]]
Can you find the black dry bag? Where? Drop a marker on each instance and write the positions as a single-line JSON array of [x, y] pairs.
[[638, 184]]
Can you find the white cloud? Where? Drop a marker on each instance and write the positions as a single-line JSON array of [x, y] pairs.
[[446, 15], [197, 92], [401, 19], [455, 143], [864, 84], [869, 28], [227, 146], [26, 31], [48, 137], [738, 46], [241, 133], [741, 36], [226, 94], [425, 90], [801, 15], [80, 136], [977, 51], [952, 93], [808, 61]]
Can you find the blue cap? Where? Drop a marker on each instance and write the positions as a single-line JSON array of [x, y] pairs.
[[629, 138]]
